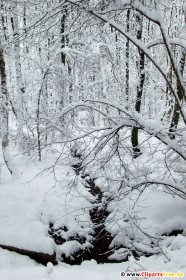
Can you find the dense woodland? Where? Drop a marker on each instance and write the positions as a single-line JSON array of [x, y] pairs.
[[98, 86]]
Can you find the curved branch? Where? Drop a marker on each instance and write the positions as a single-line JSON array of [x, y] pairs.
[[136, 120], [162, 183], [159, 41], [137, 43]]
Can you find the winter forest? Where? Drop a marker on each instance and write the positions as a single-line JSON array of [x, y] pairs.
[[93, 138]]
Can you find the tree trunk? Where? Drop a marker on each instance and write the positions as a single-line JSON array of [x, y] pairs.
[[20, 86], [63, 61], [134, 135], [176, 110], [4, 111], [127, 62]]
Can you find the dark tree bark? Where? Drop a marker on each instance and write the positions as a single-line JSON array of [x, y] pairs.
[[63, 59], [39, 257], [63, 39]]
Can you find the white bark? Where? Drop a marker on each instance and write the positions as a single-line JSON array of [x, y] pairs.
[[4, 112], [20, 86]]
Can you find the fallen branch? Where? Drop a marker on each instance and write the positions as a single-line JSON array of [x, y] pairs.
[[39, 257]]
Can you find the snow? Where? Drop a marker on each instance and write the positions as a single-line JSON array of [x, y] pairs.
[[27, 241], [144, 196], [16, 267], [29, 203], [50, 267], [157, 213], [21, 221], [166, 212], [70, 247], [10, 260]]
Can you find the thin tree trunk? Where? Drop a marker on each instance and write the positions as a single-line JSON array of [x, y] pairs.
[[63, 56], [63, 61], [169, 99], [4, 23], [134, 134], [127, 62], [176, 111], [38, 125], [5, 114], [20, 86]]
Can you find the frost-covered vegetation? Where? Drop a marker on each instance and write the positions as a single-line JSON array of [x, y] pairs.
[[93, 133]]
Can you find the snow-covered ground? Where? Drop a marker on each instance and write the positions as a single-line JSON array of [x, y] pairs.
[[28, 203], [17, 267]]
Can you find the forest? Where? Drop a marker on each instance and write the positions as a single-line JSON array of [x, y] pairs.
[[93, 139]]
